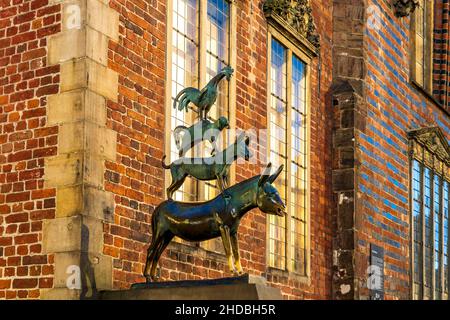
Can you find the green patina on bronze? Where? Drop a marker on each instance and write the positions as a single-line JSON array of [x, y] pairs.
[[219, 217], [203, 99], [186, 138], [207, 169]]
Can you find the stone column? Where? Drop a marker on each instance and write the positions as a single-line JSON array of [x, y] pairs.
[[75, 237]]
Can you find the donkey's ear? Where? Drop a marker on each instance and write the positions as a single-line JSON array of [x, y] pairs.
[[274, 177], [247, 141], [265, 176]]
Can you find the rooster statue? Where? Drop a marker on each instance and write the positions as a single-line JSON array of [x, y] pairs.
[[205, 98]]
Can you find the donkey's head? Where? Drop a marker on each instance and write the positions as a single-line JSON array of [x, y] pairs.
[[268, 199]]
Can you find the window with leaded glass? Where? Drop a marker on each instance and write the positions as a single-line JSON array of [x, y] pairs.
[[422, 24], [287, 124], [185, 73], [199, 41], [430, 176]]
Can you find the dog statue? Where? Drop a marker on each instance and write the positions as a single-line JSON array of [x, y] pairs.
[[207, 169]]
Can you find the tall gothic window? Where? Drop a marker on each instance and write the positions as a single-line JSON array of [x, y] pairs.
[[185, 73], [199, 50], [292, 45], [217, 57], [422, 25], [430, 176], [278, 148], [287, 122]]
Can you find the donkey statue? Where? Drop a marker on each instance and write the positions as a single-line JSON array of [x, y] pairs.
[[208, 220]]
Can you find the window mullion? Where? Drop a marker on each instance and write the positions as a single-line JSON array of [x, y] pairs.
[[441, 235], [203, 20], [268, 144], [232, 45], [422, 216], [448, 243], [202, 41], [288, 158], [433, 275]]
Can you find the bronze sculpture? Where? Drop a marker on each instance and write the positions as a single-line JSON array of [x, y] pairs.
[[220, 217], [196, 133], [214, 218], [207, 169], [205, 98]]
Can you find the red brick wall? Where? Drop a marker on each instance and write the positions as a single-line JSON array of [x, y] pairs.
[[394, 106], [136, 178], [25, 141]]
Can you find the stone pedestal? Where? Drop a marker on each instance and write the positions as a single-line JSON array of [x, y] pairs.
[[238, 288]]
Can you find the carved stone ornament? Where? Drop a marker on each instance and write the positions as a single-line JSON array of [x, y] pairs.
[[434, 142], [404, 8], [297, 14]]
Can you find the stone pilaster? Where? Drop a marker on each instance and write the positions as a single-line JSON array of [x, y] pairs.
[[75, 237], [349, 108], [350, 117]]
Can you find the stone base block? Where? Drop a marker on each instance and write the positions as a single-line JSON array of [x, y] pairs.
[[239, 288]]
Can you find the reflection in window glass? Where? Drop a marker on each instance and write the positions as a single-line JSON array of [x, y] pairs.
[[430, 209], [278, 149], [184, 74], [437, 237], [217, 43], [417, 220], [420, 42], [298, 167], [428, 233], [289, 111], [445, 244]]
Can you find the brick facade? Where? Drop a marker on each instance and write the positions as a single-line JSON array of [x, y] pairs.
[[375, 106], [26, 141], [82, 134]]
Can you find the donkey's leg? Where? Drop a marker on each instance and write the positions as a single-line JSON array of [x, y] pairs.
[[166, 238], [225, 234], [237, 258], [151, 253]]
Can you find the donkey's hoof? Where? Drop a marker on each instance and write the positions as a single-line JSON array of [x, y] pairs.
[[155, 278], [235, 273]]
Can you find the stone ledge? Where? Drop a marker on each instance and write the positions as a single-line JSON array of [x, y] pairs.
[[239, 288]]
